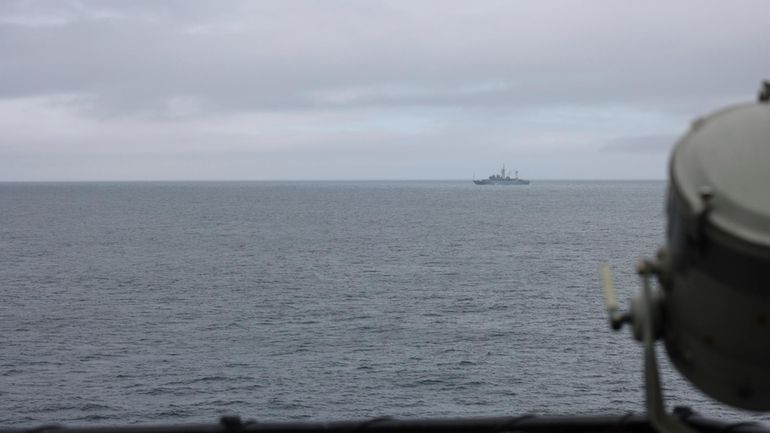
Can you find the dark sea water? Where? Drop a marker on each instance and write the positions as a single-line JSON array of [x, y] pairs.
[[181, 302]]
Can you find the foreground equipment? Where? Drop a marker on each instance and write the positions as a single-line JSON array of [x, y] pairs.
[[712, 306]]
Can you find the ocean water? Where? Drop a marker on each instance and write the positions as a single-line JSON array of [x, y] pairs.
[[181, 302]]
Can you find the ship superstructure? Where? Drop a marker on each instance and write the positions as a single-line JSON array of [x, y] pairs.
[[502, 179]]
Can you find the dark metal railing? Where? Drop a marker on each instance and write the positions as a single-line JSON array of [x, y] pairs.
[[630, 423]]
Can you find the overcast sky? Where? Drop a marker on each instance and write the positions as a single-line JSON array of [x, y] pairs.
[[355, 89]]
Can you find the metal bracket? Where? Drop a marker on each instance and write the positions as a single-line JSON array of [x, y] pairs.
[[646, 321]]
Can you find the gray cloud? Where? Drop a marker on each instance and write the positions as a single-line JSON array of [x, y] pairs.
[[642, 144], [491, 80], [284, 55]]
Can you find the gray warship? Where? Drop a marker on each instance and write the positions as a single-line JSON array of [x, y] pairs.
[[502, 179]]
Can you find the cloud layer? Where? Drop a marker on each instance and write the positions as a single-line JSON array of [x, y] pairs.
[[348, 89]]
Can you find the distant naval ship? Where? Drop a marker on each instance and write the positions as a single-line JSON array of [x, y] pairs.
[[502, 179]]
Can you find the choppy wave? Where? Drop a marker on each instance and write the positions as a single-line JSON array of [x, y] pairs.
[[139, 303]]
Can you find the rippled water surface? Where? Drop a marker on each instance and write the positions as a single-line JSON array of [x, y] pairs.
[[180, 302]]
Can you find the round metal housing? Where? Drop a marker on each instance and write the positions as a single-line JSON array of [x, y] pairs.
[[716, 302]]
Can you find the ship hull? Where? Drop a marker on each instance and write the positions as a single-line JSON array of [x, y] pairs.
[[501, 182]]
